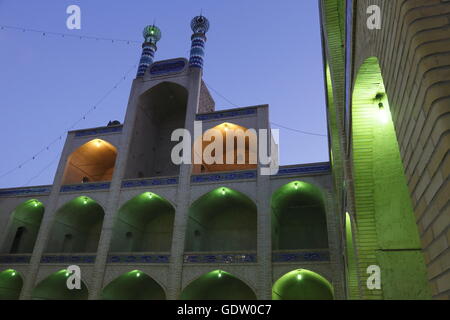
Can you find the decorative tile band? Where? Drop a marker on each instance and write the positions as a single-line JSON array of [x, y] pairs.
[[224, 176], [98, 131], [303, 256], [220, 258], [225, 114], [304, 169], [153, 258], [25, 191], [159, 68], [13, 259], [85, 187], [68, 259], [149, 182]]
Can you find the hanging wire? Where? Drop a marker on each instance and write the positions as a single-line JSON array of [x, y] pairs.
[[275, 124], [59, 137], [69, 35]]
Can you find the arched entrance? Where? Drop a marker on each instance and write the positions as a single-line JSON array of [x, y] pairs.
[[24, 227], [54, 287], [222, 220], [234, 146], [133, 285], [77, 227], [145, 223], [298, 217], [387, 234], [93, 161], [10, 284], [302, 284], [160, 111], [217, 285]]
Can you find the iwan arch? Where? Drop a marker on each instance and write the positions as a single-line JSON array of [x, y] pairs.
[[154, 230]]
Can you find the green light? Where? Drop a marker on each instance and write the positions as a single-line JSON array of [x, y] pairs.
[[35, 203], [220, 274], [67, 274], [13, 273], [223, 191], [296, 185], [138, 274], [299, 277], [85, 201], [150, 195]]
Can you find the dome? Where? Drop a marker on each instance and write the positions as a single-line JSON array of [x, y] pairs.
[[200, 24], [152, 34]]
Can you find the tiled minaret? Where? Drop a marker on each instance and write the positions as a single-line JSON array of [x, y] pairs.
[[152, 35], [200, 26]]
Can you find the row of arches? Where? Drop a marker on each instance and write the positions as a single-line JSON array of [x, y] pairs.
[[221, 220], [300, 284], [227, 143]]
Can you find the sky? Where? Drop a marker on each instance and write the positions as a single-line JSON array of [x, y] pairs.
[[257, 52]]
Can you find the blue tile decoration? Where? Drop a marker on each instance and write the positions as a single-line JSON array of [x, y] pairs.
[[224, 176], [304, 169], [167, 67], [149, 182], [85, 187], [68, 259], [303, 256], [15, 259], [225, 114], [199, 26], [98, 131], [25, 191], [136, 258], [220, 258]]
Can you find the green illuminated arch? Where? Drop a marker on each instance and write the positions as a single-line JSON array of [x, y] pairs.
[[351, 272], [144, 223], [10, 284], [24, 227], [222, 220], [218, 285], [77, 227], [302, 284], [386, 231], [133, 285], [298, 217], [54, 287]]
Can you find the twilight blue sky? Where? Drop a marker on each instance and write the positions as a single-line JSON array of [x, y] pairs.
[[258, 51]]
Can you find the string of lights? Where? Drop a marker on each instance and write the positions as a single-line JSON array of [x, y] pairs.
[[275, 124], [59, 137], [68, 35]]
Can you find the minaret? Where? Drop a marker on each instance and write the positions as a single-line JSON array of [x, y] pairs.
[[200, 26], [152, 35]]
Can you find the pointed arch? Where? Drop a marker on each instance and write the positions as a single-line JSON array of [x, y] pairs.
[[10, 284], [302, 284], [298, 217], [24, 227], [133, 285], [144, 223], [238, 145], [160, 111], [217, 285], [222, 220], [92, 162], [77, 226], [386, 231], [54, 287]]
